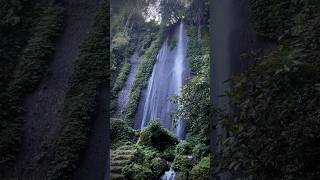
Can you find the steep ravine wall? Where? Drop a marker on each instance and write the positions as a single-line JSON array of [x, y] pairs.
[[123, 95], [169, 74], [232, 35], [45, 104]]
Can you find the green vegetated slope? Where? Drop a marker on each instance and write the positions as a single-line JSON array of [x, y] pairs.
[[142, 154], [28, 32], [90, 74], [119, 159], [275, 132], [129, 34], [192, 157], [141, 79], [148, 153]]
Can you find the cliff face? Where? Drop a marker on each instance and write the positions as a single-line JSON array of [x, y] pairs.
[[43, 120], [232, 36]]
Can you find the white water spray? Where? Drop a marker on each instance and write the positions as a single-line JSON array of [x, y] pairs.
[[179, 67], [169, 175]]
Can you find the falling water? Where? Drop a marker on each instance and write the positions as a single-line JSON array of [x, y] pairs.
[[179, 68], [169, 175], [168, 76]]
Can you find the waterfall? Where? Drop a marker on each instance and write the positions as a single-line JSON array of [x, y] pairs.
[[179, 67], [168, 76], [169, 175]]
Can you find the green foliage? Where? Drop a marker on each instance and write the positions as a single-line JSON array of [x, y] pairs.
[[168, 154], [198, 50], [201, 171], [129, 33], [125, 69], [272, 18], [120, 132], [17, 19], [120, 40], [154, 135], [137, 172], [89, 76], [121, 77], [143, 74], [200, 150], [171, 11], [198, 13], [149, 159], [158, 167], [143, 155], [194, 102], [194, 105], [29, 71], [182, 163], [275, 131], [183, 148]]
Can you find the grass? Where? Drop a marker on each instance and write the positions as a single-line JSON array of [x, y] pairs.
[[119, 159]]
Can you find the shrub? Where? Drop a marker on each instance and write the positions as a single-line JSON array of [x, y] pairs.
[[201, 171], [183, 148], [143, 155], [275, 130], [158, 167], [200, 150], [182, 163], [137, 172], [149, 159], [154, 135], [272, 18], [120, 131], [168, 154]]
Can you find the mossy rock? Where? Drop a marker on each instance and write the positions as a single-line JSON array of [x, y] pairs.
[[154, 135]]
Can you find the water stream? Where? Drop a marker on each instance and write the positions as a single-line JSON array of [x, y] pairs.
[[169, 175]]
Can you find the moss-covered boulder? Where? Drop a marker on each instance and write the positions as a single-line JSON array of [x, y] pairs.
[[201, 171], [154, 135]]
